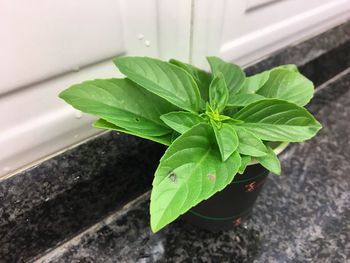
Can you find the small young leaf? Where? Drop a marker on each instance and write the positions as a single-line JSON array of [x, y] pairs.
[[218, 93], [278, 120], [270, 162], [241, 100], [288, 85], [181, 121], [201, 77], [249, 143], [163, 79], [227, 140], [233, 74], [122, 103], [190, 171], [255, 82], [245, 159], [290, 67], [164, 139]]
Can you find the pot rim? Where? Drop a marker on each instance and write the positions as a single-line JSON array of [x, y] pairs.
[[279, 149]]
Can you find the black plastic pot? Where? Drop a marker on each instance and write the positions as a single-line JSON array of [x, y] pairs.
[[227, 208]]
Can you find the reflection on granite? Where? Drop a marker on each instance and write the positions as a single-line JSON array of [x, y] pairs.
[[301, 216], [337, 60]]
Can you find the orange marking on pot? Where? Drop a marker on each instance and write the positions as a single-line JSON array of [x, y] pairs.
[[250, 187], [237, 222]]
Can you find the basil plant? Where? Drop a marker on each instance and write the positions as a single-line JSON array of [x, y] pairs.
[[214, 124]]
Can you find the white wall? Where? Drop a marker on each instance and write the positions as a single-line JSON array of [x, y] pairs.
[[47, 45]]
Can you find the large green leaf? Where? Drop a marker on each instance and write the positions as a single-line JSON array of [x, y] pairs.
[[234, 75], [241, 100], [121, 102], [227, 140], [255, 82], [163, 79], [288, 85], [181, 121], [270, 162], [164, 139], [190, 171], [218, 93], [249, 143], [201, 77], [278, 120]]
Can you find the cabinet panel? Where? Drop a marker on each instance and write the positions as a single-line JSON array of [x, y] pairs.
[[246, 31], [43, 39]]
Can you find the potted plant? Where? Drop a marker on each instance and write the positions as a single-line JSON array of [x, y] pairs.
[[214, 124]]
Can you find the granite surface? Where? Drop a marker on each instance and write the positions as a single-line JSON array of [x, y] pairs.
[[301, 216], [55, 200], [52, 202]]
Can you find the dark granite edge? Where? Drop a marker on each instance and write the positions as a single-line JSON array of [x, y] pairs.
[[75, 189], [57, 251]]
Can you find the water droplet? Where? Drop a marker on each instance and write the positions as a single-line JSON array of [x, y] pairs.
[[172, 176], [47, 199], [78, 114], [140, 36], [212, 177], [76, 178], [147, 43]]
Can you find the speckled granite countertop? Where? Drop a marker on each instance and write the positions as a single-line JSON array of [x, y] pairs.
[[301, 216]]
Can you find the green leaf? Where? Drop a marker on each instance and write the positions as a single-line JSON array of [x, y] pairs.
[[241, 100], [190, 171], [245, 159], [278, 120], [201, 77], [288, 85], [164, 139], [233, 74], [270, 162], [249, 143], [121, 102], [163, 79], [218, 93], [227, 140], [255, 82], [181, 121]]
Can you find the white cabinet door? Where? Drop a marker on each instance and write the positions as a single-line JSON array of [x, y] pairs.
[[46, 46], [245, 31]]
